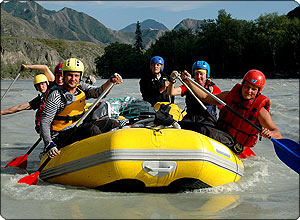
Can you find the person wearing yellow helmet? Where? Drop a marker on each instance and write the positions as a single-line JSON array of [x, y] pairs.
[[41, 84], [65, 106]]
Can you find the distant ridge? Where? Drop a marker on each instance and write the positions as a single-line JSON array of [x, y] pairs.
[[68, 24], [146, 24], [189, 24]]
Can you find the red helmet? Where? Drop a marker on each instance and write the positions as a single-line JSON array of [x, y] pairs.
[[58, 68], [255, 77]]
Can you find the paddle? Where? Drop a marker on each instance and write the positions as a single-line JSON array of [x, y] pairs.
[[287, 150], [32, 179], [11, 85], [201, 103], [21, 161]]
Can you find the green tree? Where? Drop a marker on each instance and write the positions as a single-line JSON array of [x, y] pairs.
[[120, 58], [177, 48], [138, 39], [271, 33], [222, 43]]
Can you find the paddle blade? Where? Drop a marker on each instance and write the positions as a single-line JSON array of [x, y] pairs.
[[31, 179], [288, 152], [20, 162]]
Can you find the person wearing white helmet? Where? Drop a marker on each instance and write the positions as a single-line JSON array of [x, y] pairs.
[[65, 106]]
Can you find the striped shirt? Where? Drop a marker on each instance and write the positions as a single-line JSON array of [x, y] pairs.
[[55, 105]]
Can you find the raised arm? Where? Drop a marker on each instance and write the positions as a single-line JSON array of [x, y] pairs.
[[50, 76], [172, 90], [200, 94]]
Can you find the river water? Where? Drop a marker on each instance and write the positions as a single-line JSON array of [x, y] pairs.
[[268, 190]]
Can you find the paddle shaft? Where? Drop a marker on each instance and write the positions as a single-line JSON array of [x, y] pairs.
[[225, 105], [10, 86], [34, 146], [201, 103], [103, 94]]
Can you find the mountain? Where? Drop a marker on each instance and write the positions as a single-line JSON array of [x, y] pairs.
[[33, 34], [34, 21], [147, 24], [65, 24], [14, 26], [189, 23], [15, 51]]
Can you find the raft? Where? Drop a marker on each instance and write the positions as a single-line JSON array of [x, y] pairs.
[[144, 158]]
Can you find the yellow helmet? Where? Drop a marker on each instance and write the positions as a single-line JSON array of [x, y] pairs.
[[39, 79], [73, 65]]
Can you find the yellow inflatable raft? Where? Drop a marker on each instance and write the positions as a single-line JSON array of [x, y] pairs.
[[147, 158]]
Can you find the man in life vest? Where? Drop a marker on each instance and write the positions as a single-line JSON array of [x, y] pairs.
[[41, 84], [153, 85], [195, 112], [65, 106], [246, 99]]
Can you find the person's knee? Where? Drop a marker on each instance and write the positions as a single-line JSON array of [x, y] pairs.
[[93, 130], [106, 125]]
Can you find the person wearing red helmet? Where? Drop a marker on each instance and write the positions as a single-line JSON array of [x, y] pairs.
[[58, 74], [246, 99], [38, 103]]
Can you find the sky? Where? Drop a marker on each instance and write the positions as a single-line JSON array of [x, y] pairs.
[[118, 14]]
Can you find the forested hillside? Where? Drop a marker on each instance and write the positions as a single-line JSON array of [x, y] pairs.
[[270, 43]]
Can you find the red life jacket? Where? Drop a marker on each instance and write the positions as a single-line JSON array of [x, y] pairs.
[[39, 112], [241, 131]]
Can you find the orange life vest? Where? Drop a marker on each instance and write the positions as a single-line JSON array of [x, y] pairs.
[[241, 131], [71, 113]]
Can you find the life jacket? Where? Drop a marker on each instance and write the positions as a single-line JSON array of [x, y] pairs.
[[175, 111], [194, 109], [240, 130], [72, 112], [38, 114]]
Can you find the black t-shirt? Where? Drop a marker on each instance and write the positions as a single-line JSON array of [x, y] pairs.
[[150, 86], [36, 102]]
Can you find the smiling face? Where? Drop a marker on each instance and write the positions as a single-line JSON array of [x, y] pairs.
[[249, 91], [71, 79], [200, 76]]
